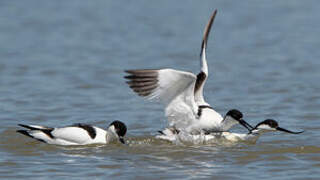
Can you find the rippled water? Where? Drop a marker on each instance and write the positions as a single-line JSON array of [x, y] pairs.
[[62, 62]]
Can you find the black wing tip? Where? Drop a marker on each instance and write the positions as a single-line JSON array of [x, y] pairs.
[[215, 11], [141, 73], [207, 31], [142, 81], [138, 70], [135, 71], [129, 71], [128, 77]]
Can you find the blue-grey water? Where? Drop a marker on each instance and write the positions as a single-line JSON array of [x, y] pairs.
[[63, 62]]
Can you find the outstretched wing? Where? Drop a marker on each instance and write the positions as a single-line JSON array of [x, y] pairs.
[[175, 89], [203, 75]]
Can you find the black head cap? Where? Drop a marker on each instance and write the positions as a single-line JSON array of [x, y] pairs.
[[270, 122], [236, 114], [120, 127]]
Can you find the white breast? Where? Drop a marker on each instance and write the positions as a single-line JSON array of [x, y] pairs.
[[209, 120]]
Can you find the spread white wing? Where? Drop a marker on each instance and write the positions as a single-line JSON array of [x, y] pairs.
[[175, 89]]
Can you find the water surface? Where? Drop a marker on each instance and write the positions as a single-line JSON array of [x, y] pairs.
[[62, 62]]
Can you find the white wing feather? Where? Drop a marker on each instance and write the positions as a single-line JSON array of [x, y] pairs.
[[71, 134], [175, 89]]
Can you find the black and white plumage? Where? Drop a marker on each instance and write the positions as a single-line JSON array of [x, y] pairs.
[[182, 94], [268, 125], [76, 134]]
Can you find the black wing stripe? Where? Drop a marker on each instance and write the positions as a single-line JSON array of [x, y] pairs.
[[200, 108], [143, 82], [141, 71], [90, 130], [139, 79], [144, 87], [145, 91], [141, 76], [201, 77], [48, 132], [133, 84]]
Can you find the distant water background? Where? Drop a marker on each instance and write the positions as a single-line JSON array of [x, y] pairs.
[[63, 62]]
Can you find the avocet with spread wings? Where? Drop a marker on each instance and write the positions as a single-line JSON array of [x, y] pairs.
[[182, 94]]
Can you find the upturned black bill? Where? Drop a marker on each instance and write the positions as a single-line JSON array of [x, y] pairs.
[[287, 131]]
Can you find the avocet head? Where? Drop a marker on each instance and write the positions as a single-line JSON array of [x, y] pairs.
[[237, 117], [120, 129], [272, 125]]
